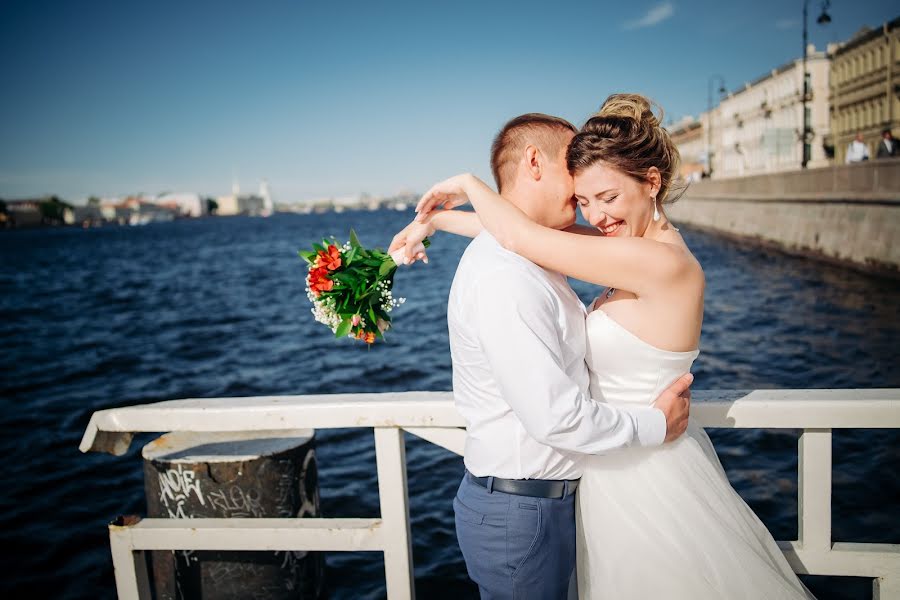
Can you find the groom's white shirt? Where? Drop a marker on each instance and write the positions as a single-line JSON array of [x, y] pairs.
[[517, 341]]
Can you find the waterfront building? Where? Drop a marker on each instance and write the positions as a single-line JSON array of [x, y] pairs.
[[24, 213], [761, 125], [88, 215], [34, 212], [268, 206], [689, 135], [245, 204], [250, 204], [185, 204], [136, 210], [865, 88]]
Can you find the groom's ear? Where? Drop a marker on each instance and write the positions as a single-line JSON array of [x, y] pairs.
[[532, 157]]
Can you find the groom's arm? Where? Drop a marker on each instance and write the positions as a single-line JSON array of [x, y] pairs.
[[517, 326], [459, 222]]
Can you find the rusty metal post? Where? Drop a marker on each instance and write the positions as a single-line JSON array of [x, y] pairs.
[[259, 474]]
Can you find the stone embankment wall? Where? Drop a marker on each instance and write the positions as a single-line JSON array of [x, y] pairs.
[[848, 214]]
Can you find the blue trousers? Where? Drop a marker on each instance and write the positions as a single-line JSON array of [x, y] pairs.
[[515, 547]]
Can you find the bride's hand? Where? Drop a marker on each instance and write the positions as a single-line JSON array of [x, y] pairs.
[[447, 194], [407, 246]]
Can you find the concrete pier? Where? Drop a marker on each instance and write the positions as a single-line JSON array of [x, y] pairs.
[[849, 214]]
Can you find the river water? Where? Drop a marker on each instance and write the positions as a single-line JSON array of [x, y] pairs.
[[100, 318]]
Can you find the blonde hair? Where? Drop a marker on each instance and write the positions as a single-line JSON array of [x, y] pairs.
[[627, 135]]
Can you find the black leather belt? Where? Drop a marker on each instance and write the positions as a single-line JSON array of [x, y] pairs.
[[536, 488]]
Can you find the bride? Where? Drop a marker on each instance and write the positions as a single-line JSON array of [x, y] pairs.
[[657, 522]]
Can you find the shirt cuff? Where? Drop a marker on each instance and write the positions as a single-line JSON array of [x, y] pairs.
[[650, 425]]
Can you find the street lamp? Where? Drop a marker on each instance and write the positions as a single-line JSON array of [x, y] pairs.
[[823, 19], [709, 101]]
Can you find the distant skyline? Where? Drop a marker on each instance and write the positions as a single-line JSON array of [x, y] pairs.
[[110, 98]]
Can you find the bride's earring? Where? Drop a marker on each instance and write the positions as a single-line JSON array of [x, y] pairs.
[[655, 208]]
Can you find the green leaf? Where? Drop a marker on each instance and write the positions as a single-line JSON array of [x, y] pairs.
[[386, 268], [372, 316], [318, 248], [343, 329], [354, 241], [350, 256]]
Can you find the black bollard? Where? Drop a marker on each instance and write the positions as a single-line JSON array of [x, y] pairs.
[[254, 474]]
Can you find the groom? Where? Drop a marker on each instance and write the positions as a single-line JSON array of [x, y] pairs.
[[517, 342]]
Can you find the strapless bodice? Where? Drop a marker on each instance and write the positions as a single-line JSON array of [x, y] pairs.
[[624, 368]]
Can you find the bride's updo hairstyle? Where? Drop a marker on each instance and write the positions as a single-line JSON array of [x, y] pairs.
[[627, 136]]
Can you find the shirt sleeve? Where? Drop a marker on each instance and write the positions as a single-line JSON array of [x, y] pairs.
[[517, 323]]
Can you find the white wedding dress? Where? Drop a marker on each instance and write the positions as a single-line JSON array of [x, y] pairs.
[[664, 522]]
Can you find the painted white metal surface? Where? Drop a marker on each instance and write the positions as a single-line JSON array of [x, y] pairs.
[[390, 456], [129, 565], [111, 430], [432, 416], [258, 534], [448, 438], [814, 489]]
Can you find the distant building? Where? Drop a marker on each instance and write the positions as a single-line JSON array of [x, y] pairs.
[[240, 205], [185, 204], [136, 210], [758, 129], [24, 213], [865, 88], [34, 212], [268, 207], [688, 135], [245, 204], [87, 215]]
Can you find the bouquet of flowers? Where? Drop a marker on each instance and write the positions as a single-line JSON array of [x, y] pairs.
[[350, 287]]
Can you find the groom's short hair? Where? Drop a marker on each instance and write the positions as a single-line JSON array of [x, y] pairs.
[[540, 130]]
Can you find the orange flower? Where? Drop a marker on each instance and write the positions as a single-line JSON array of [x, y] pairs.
[[319, 282], [330, 260], [360, 335], [370, 337]]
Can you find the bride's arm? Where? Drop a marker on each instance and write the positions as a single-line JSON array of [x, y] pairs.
[[459, 222], [635, 264]]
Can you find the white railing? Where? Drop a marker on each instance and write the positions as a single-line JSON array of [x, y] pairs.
[[432, 416]]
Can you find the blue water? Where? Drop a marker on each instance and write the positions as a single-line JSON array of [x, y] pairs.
[[100, 318]]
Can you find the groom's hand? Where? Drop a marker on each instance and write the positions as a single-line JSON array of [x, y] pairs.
[[675, 403]]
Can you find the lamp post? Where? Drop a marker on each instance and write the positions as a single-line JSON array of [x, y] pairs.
[[709, 116], [823, 19]]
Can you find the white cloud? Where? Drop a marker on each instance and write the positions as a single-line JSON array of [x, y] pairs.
[[786, 23], [654, 16]]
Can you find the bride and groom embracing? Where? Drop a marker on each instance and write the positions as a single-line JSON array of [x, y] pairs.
[[579, 452]]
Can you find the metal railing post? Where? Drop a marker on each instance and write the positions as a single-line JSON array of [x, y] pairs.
[[814, 501], [129, 566], [390, 457], [884, 588]]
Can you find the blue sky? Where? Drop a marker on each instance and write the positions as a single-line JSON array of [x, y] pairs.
[[322, 99]]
